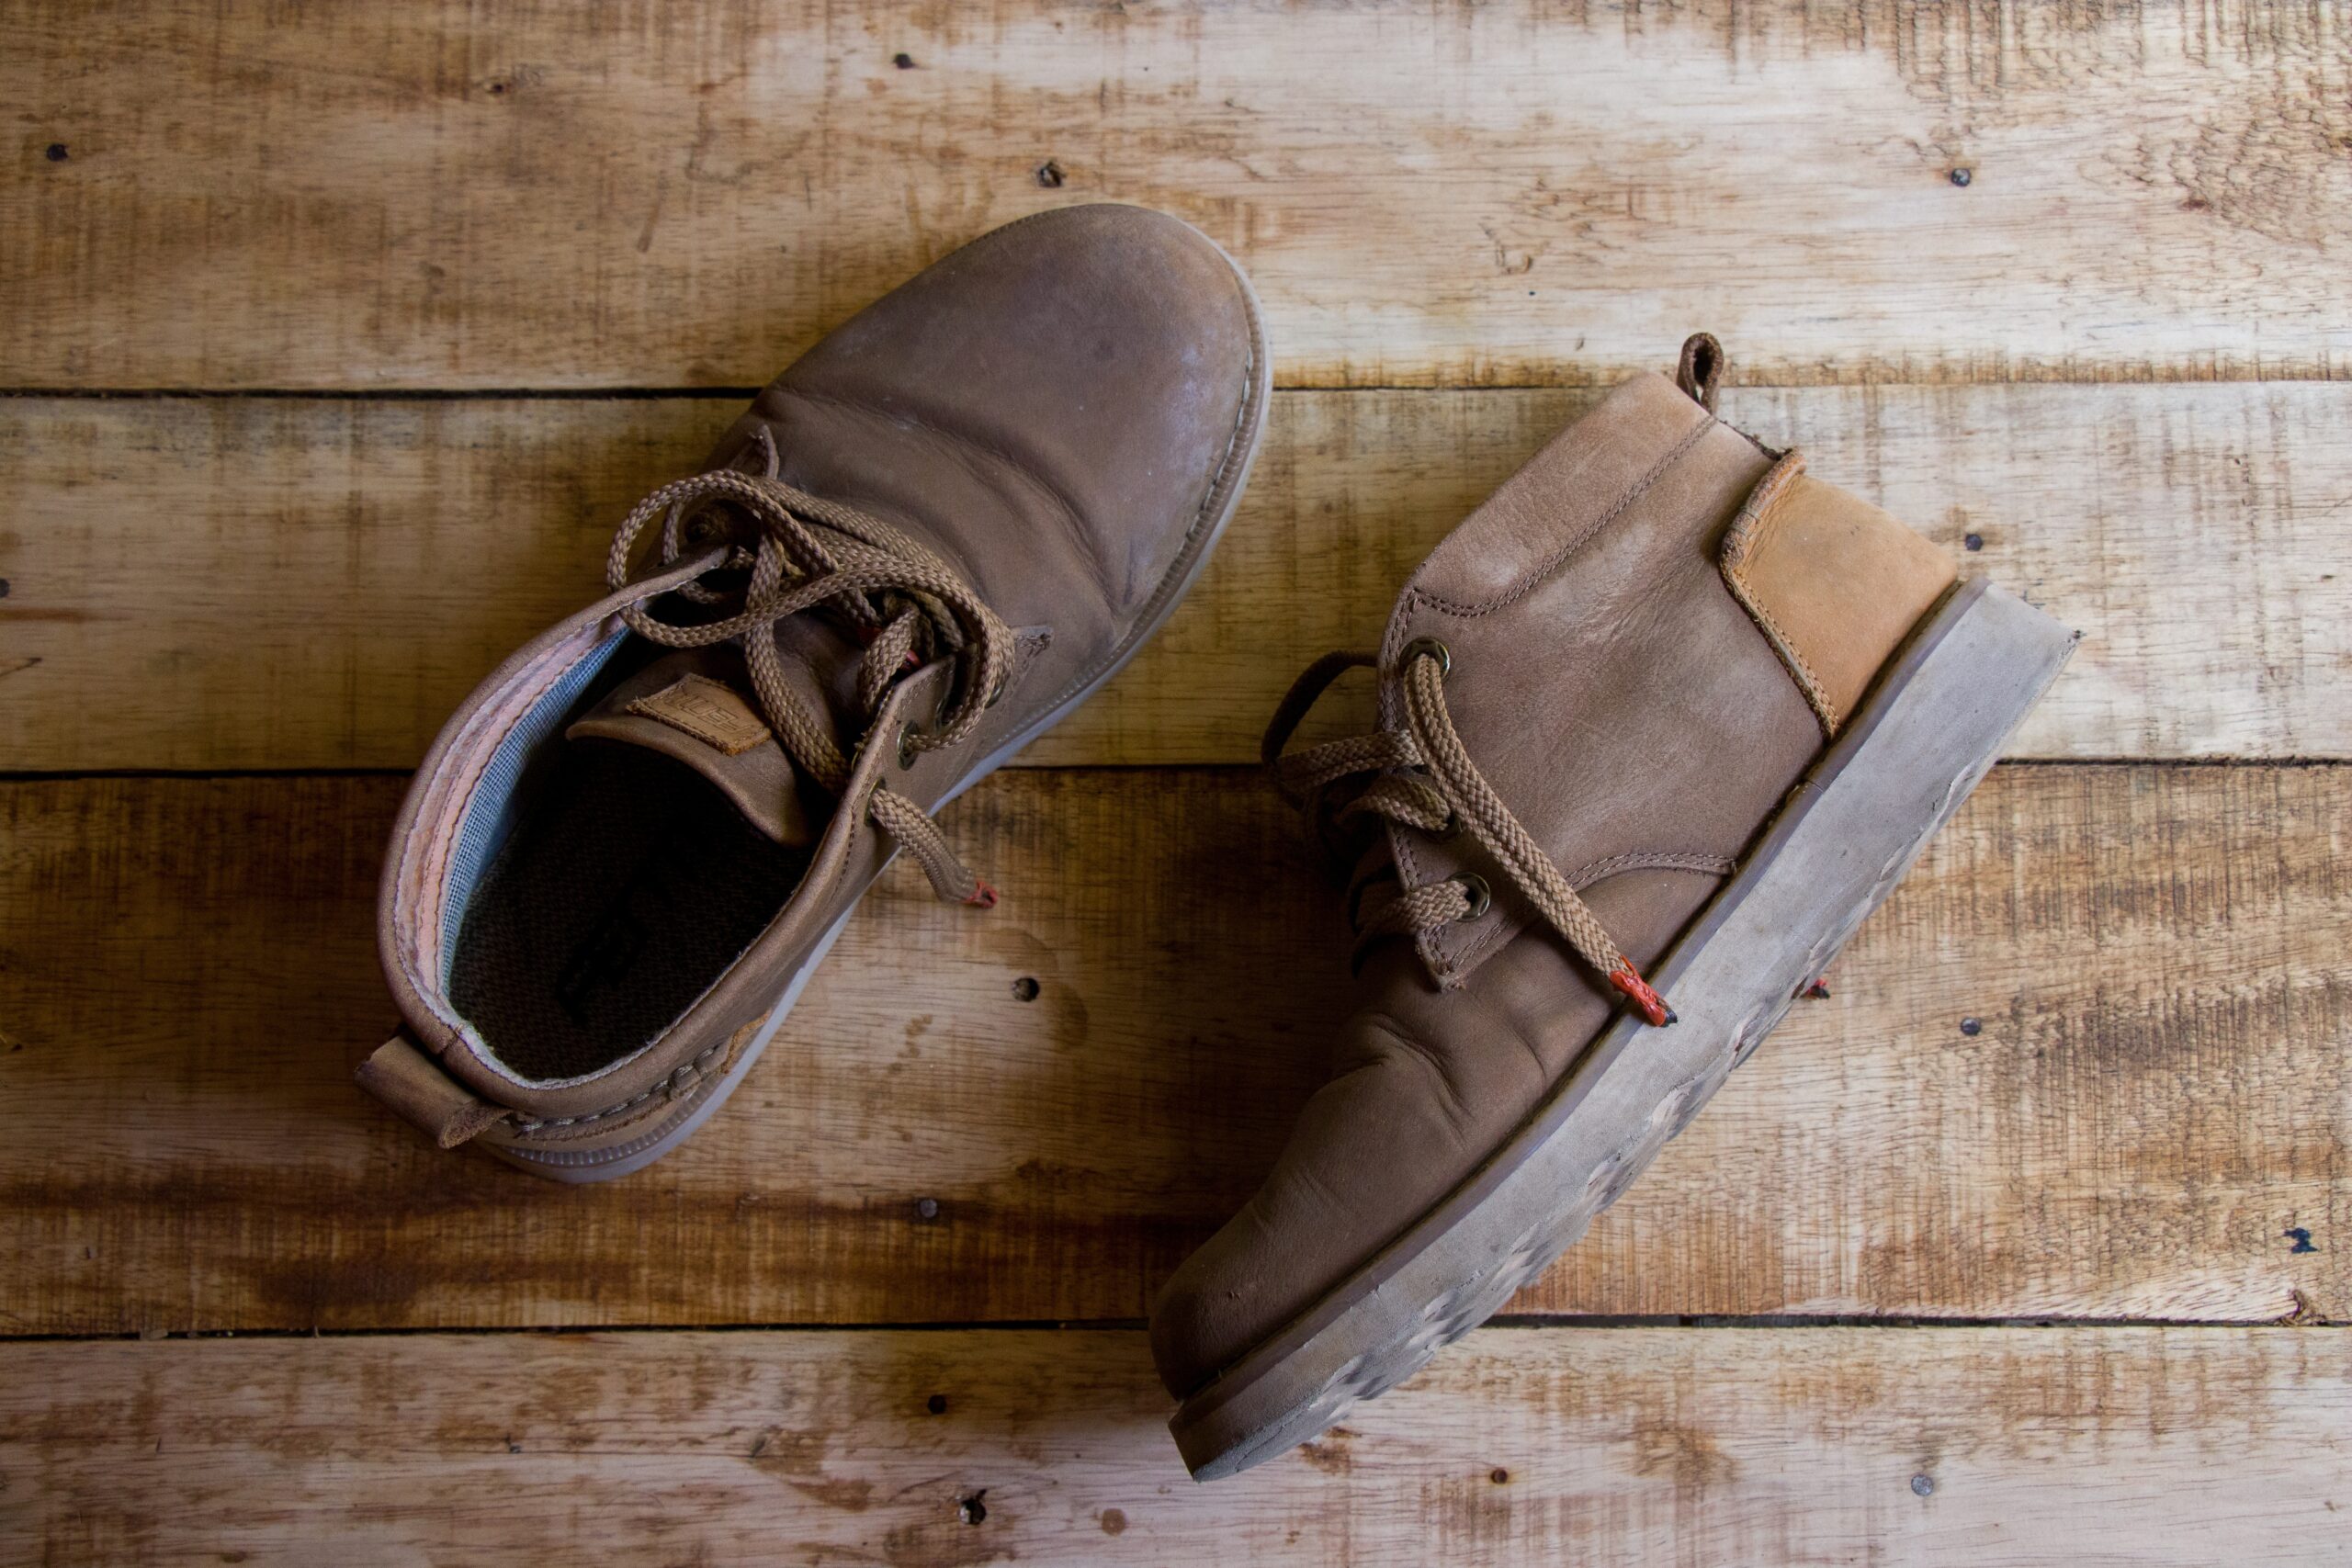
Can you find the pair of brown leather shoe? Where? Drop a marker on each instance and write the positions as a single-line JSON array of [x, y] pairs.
[[1658, 725]]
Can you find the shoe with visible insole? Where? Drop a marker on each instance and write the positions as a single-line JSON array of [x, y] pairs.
[[934, 535], [1662, 721]]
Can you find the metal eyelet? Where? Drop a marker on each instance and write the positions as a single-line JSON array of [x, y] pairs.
[[1473, 888], [906, 746], [1431, 647], [1452, 827]]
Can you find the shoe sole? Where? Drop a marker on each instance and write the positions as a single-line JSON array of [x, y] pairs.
[[621, 1159], [1845, 837]]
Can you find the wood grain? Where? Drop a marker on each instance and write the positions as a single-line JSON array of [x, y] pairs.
[[510, 194], [2095, 1448], [212, 583], [2155, 1106]]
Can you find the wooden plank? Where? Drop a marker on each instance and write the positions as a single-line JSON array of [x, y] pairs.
[[2153, 1118], [268, 583], [2096, 1447], [460, 194]]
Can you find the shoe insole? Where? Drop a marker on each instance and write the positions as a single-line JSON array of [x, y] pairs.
[[627, 887]]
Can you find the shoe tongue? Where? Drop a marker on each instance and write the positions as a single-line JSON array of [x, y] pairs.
[[695, 707]]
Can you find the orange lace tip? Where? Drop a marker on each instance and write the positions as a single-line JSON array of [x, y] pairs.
[[983, 895], [1647, 1002]]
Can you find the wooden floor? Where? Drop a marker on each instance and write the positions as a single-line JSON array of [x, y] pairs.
[[335, 340]]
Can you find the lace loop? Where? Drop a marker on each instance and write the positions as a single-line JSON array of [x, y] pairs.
[[1423, 778], [808, 553]]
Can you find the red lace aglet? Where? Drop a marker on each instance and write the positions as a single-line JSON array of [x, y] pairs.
[[1651, 1007], [983, 895]]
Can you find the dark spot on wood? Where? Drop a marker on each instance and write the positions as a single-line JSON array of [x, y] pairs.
[[56, 152], [2300, 1237], [936, 1404], [1050, 176], [1974, 541], [926, 1208], [849, 1497], [903, 61], [1962, 177], [1330, 1455], [1819, 991], [1686, 1454], [4, 588], [1923, 1484], [1971, 1026], [1500, 1476], [1025, 989], [1115, 1522], [971, 1510], [511, 1446]]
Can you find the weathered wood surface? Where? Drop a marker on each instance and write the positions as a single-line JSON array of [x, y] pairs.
[[269, 583], [2094, 1448], [460, 194], [2152, 1121]]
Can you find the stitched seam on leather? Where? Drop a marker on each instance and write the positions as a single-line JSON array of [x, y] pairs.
[[1750, 531], [1753, 545], [1534, 576], [1508, 926], [1450, 971], [631, 1103], [1614, 865]]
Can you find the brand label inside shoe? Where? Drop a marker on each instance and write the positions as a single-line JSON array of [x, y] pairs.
[[709, 710]]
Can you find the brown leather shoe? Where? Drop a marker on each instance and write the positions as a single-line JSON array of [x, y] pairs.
[[933, 535], [1658, 725]]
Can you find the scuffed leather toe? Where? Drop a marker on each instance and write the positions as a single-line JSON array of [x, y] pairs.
[[1400, 1124], [1062, 403]]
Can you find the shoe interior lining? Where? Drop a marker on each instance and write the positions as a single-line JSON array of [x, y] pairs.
[[625, 886]]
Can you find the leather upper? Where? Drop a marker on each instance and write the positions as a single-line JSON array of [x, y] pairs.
[[1629, 711], [1046, 408]]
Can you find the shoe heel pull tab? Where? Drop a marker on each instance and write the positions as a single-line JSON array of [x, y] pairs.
[[400, 1074], [1700, 370]]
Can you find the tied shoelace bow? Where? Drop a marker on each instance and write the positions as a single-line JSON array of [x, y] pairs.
[[1423, 778], [907, 604]]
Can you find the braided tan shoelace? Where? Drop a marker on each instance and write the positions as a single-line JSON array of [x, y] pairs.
[[811, 552], [1423, 778]]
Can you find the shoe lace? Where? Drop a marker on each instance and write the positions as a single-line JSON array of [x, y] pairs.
[[809, 553], [1421, 777]]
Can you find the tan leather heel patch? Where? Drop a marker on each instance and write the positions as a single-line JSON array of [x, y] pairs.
[[1834, 583]]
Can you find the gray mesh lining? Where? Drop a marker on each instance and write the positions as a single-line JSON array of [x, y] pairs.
[[490, 812]]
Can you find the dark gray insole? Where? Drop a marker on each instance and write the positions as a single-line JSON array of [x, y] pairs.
[[629, 885]]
